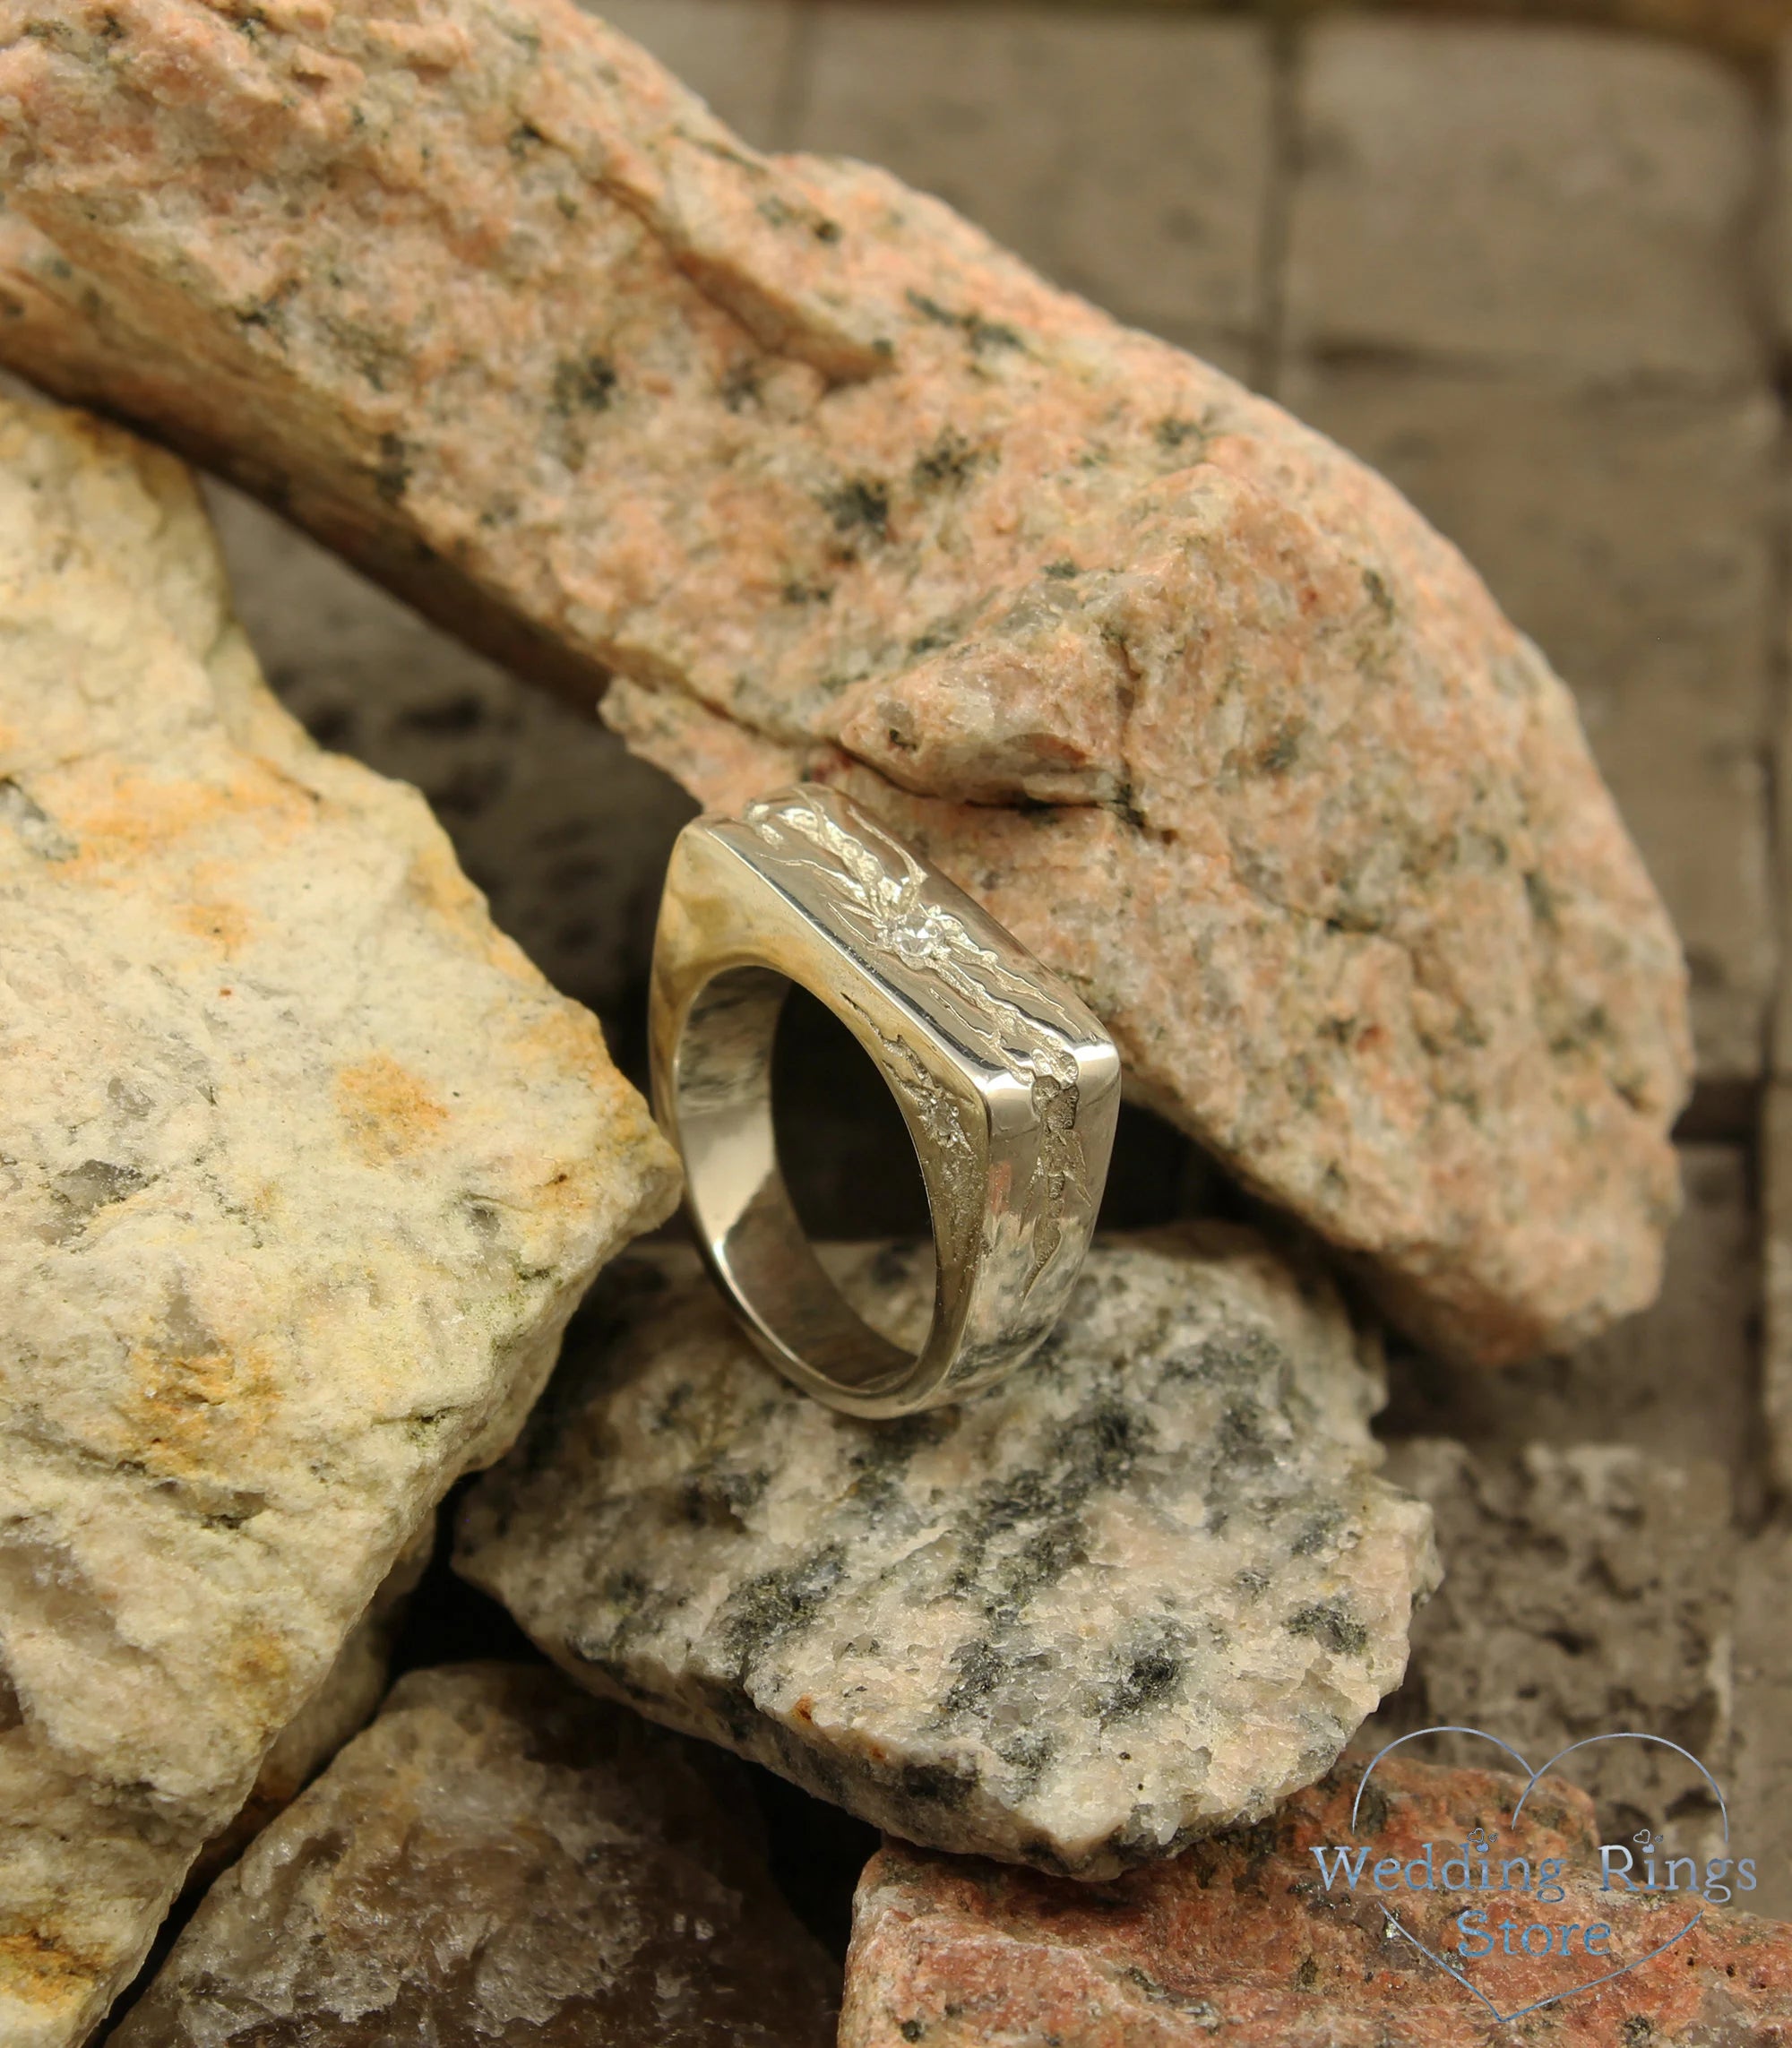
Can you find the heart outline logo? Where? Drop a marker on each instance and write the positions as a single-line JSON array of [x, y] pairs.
[[1531, 1777]]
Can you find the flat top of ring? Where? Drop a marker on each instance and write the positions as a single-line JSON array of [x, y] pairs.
[[929, 940]]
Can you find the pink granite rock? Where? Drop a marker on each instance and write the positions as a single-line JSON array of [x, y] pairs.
[[1241, 1941], [1191, 700]]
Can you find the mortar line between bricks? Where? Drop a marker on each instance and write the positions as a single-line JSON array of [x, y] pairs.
[[1279, 190], [797, 80]]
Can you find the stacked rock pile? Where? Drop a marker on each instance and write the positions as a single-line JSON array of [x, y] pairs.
[[307, 1167]]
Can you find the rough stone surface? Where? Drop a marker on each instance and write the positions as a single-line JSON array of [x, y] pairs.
[[498, 1860], [1760, 1774], [305, 1167], [1776, 1231], [1681, 1381], [562, 829], [343, 1703], [1780, 1037], [1010, 116], [1143, 1588], [1585, 1589], [1239, 1942], [836, 487], [1632, 535], [1575, 202]]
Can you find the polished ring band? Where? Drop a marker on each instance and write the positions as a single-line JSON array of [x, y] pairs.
[[1007, 1082]]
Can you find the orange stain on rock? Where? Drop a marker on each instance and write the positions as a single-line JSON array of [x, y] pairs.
[[192, 1391], [564, 1037], [388, 1110], [227, 925], [258, 1669], [436, 882], [122, 814], [39, 1968]]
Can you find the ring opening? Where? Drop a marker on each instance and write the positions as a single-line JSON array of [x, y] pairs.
[[792, 1141], [848, 1158]]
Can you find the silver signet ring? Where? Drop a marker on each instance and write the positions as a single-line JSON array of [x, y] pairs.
[[1008, 1084]]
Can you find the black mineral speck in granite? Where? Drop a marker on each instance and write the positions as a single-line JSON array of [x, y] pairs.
[[949, 463], [392, 473], [1151, 1677], [587, 383], [1333, 1626], [773, 1605], [861, 502]]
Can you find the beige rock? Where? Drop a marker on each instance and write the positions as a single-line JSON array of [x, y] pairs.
[[1555, 198], [499, 1859], [1180, 692], [1127, 156], [512, 774], [1585, 1589], [306, 1168], [342, 1704], [1634, 535], [1145, 1586]]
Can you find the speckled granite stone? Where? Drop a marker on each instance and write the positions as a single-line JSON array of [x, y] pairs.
[[1239, 1943], [1182, 692], [1145, 1586], [498, 1862], [302, 1169]]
